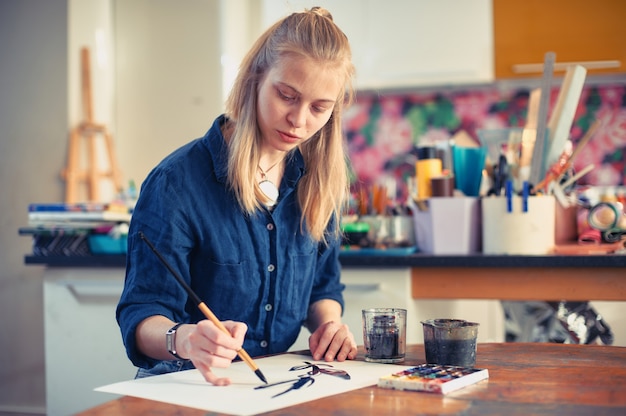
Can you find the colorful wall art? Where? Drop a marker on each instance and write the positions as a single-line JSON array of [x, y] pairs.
[[384, 130]]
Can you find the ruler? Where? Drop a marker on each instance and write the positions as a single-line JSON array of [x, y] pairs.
[[537, 164], [564, 111]]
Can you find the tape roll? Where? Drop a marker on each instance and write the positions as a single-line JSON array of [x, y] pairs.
[[613, 236], [603, 216]]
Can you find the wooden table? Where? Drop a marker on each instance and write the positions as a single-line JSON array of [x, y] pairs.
[[525, 379]]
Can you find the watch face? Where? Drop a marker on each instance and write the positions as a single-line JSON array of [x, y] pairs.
[[170, 342]]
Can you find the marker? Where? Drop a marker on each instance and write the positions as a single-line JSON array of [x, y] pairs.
[[525, 192], [509, 196]]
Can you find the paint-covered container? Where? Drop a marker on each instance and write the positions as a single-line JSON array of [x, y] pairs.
[[450, 342]]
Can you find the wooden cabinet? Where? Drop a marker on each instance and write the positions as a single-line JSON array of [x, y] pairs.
[[385, 287], [575, 30], [407, 43]]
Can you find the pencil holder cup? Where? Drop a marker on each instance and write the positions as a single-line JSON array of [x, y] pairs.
[[401, 231], [468, 163], [565, 224], [518, 228], [384, 334], [449, 226], [379, 232]]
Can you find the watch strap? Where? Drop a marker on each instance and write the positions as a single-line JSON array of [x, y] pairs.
[[170, 340]]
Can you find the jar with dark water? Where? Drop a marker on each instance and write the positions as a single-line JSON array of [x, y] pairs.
[[450, 342], [383, 338], [384, 334]]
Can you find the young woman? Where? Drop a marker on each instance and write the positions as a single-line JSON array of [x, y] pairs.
[[248, 215]]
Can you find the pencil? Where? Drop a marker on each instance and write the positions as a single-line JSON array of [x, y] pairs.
[[203, 308]]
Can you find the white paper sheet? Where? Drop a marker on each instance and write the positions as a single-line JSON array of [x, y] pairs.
[[188, 388]]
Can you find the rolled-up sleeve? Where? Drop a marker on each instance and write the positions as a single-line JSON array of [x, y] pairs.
[[327, 283], [149, 288]]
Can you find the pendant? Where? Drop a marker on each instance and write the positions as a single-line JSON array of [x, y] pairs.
[[270, 191]]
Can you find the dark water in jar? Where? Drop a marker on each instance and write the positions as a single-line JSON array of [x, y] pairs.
[[451, 352], [383, 338], [383, 345]]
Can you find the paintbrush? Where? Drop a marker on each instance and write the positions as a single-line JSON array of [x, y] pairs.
[[203, 308]]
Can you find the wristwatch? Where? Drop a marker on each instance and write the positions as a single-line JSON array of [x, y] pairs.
[[170, 340]]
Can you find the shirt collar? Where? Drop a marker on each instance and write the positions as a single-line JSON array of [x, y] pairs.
[[216, 145]]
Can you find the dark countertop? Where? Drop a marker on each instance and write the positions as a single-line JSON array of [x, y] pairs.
[[382, 261]]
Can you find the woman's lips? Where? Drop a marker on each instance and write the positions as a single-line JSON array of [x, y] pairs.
[[290, 138]]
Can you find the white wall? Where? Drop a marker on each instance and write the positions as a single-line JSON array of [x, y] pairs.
[[169, 69], [33, 116], [168, 75], [239, 30], [155, 76]]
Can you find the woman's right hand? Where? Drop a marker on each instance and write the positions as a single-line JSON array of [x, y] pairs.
[[207, 346]]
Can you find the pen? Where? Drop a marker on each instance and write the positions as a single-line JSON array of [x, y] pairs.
[[509, 195], [525, 192], [203, 308]]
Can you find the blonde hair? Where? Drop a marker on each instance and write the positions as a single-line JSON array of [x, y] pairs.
[[323, 189]]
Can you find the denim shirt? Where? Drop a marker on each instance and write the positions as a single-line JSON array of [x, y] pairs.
[[261, 269]]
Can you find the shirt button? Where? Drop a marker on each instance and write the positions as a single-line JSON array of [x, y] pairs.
[[270, 226], [264, 344], [268, 307], [270, 268]]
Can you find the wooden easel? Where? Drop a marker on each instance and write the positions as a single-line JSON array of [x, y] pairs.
[[73, 174]]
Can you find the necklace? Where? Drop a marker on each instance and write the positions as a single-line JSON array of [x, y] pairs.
[[267, 187]]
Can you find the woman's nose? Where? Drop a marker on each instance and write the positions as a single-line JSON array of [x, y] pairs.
[[297, 116]]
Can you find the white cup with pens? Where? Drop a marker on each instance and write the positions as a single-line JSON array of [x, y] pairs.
[[518, 224]]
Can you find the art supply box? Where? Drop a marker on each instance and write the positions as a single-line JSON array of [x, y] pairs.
[[433, 378]]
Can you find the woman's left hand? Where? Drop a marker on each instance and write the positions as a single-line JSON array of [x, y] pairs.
[[332, 341]]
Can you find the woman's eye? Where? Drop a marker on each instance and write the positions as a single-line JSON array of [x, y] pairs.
[[286, 96]]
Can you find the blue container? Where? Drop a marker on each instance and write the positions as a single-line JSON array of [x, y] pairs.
[[106, 244]]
